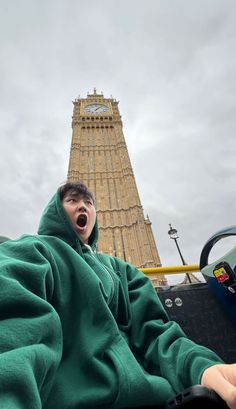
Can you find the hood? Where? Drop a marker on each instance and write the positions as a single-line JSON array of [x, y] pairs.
[[3, 239], [55, 222]]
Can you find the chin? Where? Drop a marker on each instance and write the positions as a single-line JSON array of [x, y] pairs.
[[83, 238]]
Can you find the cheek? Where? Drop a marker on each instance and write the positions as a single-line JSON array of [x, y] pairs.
[[94, 217], [68, 211]]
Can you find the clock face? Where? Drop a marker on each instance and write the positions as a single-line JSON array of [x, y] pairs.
[[96, 108]]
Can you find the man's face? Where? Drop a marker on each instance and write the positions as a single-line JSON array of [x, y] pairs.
[[81, 212]]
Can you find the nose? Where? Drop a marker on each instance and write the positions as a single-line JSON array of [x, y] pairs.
[[81, 206]]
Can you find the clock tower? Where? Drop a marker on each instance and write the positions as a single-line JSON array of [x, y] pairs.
[[99, 158]]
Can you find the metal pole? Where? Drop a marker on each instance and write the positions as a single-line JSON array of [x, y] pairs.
[[173, 235], [183, 261]]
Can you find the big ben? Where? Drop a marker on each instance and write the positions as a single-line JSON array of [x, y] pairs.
[[99, 157]]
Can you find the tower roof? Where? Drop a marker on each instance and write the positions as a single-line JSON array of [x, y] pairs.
[[95, 93]]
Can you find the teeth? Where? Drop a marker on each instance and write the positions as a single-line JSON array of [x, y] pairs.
[[82, 220]]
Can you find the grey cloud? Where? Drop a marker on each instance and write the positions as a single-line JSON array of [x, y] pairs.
[[172, 67]]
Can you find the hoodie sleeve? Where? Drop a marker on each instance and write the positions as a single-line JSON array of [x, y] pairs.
[[30, 330], [161, 344]]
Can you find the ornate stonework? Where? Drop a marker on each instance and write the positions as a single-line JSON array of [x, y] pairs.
[[99, 157]]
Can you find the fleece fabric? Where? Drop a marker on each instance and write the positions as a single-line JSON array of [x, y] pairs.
[[82, 330]]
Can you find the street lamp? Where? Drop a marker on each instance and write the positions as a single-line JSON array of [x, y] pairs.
[[173, 233]]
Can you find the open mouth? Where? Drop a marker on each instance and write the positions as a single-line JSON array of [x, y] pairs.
[[81, 220]]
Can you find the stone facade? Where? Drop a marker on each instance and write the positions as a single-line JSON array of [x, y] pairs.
[[99, 157]]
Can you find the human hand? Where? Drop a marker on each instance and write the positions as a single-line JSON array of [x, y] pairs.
[[222, 379]]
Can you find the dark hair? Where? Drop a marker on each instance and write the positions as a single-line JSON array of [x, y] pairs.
[[76, 188]]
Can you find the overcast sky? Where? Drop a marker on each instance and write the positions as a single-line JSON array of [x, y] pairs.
[[172, 66]]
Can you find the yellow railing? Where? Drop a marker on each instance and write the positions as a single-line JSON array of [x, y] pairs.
[[171, 269]]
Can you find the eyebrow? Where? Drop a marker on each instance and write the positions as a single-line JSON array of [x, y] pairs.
[[77, 195]]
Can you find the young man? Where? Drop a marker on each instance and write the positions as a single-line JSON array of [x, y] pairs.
[[80, 329]]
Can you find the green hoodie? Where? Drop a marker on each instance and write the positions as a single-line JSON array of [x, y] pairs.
[[80, 329]]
